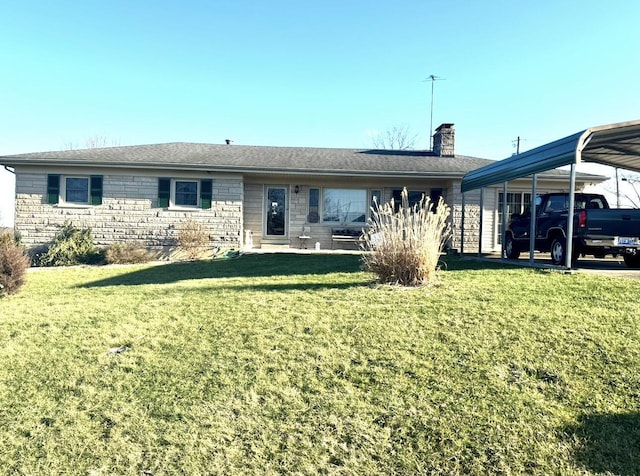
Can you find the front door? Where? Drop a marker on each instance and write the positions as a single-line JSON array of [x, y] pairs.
[[276, 211]]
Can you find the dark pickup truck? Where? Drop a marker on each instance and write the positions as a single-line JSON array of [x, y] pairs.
[[597, 229]]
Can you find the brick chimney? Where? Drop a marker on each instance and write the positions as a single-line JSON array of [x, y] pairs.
[[444, 140]]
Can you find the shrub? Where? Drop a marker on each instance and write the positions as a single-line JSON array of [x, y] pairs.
[[13, 265], [70, 247], [405, 245], [192, 239], [122, 253]]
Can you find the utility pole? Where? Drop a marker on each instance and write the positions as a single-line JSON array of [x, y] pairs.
[[433, 78], [516, 144]]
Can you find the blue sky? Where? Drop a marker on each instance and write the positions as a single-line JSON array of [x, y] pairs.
[[326, 74]]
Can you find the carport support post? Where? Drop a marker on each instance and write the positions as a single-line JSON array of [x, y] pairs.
[[504, 219], [572, 203], [532, 226]]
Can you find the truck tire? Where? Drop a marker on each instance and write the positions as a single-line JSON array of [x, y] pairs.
[[559, 252], [632, 260], [511, 248]]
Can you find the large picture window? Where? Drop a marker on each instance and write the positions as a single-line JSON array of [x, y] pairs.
[[344, 205]]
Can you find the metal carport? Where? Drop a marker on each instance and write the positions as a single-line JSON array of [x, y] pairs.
[[617, 145]]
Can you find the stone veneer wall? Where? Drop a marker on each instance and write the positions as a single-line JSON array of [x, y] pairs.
[[471, 220], [128, 213]]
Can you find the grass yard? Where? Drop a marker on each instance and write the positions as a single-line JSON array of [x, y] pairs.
[[298, 364]]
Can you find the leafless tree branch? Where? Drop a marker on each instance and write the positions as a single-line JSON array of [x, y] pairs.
[[395, 138]]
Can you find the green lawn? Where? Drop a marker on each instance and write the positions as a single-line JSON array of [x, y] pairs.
[[299, 364]]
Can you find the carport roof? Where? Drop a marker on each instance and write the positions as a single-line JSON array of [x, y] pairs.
[[617, 145]]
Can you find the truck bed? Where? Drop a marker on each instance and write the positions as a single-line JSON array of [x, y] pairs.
[[613, 222]]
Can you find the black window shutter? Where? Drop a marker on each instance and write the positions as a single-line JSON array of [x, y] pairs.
[[206, 193], [314, 208], [96, 190], [53, 188], [164, 192]]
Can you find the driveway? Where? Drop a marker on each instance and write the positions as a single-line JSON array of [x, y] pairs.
[[613, 267]]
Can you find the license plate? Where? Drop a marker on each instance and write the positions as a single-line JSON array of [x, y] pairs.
[[626, 241]]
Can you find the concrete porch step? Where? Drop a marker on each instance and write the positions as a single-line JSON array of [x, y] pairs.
[[274, 246]]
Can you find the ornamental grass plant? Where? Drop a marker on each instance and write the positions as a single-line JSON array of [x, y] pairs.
[[404, 244]]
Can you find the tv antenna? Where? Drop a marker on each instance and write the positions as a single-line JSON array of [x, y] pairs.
[[516, 144], [433, 78]]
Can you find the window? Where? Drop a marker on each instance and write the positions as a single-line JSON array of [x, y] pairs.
[[344, 205], [414, 197], [185, 193], [435, 194], [75, 190], [517, 202], [557, 203], [376, 198]]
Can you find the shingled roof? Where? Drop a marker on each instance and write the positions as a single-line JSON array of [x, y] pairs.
[[239, 158], [260, 159]]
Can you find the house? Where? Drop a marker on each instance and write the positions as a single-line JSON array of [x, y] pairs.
[[248, 196]]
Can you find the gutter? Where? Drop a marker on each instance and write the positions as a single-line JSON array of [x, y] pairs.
[[209, 168]]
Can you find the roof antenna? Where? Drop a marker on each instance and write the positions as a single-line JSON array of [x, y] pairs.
[[433, 78], [516, 144]]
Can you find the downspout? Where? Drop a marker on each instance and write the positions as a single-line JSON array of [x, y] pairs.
[[6, 167]]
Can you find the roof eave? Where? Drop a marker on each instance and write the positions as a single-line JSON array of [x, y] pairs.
[[238, 169]]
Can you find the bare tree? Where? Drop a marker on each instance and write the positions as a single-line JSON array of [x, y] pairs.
[[395, 138], [626, 191], [93, 142], [632, 191]]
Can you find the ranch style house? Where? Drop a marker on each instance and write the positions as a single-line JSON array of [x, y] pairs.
[[251, 196]]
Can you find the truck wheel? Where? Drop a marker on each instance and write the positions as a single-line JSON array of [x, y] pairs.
[[511, 248], [559, 250], [632, 260]]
